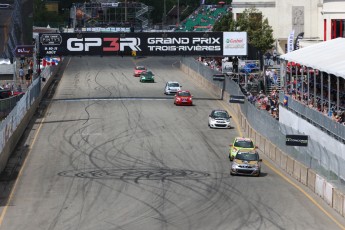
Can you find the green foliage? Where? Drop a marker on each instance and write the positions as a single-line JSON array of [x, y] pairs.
[[260, 33], [42, 17]]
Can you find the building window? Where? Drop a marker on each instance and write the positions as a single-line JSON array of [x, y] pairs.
[[337, 28]]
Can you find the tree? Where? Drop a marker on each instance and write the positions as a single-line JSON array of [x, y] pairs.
[[260, 33]]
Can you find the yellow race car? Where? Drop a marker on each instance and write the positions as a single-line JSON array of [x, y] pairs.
[[240, 143]]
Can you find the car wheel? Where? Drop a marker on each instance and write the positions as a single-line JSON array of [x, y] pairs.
[[231, 173], [258, 174]]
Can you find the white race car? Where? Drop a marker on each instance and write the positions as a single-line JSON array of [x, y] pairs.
[[171, 87], [219, 119]]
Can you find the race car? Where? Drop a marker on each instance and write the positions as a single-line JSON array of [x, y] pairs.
[[240, 143], [138, 70], [147, 76], [171, 87], [183, 97], [246, 163], [219, 119]]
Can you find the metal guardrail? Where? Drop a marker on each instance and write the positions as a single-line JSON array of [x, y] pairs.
[[325, 123], [315, 156], [7, 104]]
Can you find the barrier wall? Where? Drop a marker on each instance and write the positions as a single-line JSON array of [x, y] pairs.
[[13, 127], [306, 176]]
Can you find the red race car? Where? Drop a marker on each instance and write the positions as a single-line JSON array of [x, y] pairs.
[[138, 70], [183, 97]]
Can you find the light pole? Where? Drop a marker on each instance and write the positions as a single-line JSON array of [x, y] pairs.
[[125, 10], [164, 14], [178, 12]]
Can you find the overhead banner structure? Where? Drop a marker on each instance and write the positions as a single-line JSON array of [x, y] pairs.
[[144, 44]]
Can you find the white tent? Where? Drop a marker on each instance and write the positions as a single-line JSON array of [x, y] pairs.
[[328, 56]]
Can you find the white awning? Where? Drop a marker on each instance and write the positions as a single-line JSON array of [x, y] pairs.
[[328, 56]]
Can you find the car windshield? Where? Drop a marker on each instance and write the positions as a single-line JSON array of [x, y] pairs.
[[247, 156], [184, 94], [148, 73], [221, 114], [140, 68], [244, 144], [174, 84]]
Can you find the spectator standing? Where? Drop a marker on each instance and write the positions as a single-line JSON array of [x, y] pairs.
[[30, 72], [274, 56], [28, 79], [21, 75], [235, 64], [22, 61]]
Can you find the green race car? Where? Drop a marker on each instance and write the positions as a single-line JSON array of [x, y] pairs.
[[240, 143], [147, 76]]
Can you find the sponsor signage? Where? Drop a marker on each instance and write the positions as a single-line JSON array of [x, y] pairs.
[[218, 77], [235, 44], [24, 50], [297, 140], [110, 4], [290, 44], [236, 99], [160, 44]]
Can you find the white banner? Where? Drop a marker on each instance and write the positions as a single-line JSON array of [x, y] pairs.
[[235, 44], [290, 45]]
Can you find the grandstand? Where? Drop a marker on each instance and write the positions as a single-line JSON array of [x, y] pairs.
[[203, 18]]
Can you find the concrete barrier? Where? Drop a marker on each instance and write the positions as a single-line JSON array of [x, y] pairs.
[[319, 185], [328, 193], [258, 142], [267, 148], [12, 142], [338, 201], [289, 165], [283, 161], [311, 179], [252, 134], [304, 174], [297, 170], [278, 156], [272, 151]]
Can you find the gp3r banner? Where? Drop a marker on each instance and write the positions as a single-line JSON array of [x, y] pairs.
[[144, 44]]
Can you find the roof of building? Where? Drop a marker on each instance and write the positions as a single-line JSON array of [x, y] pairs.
[[328, 56]]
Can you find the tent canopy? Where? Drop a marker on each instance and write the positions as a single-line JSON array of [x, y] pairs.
[[328, 56]]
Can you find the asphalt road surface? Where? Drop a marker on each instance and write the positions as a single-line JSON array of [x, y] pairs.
[[114, 153]]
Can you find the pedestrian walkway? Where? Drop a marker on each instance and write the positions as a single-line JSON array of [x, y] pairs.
[[17, 83]]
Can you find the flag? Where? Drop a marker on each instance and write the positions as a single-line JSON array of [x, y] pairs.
[[290, 41]]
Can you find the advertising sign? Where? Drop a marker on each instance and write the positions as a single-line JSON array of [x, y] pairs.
[[24, 51], [236, 99], [235, 44], [209, 44], [290, 44], [145, 44], [297, 140]]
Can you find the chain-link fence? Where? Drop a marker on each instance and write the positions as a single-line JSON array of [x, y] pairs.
[[315, 156]]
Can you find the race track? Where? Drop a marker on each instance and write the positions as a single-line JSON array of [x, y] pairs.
[[114, 153]]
